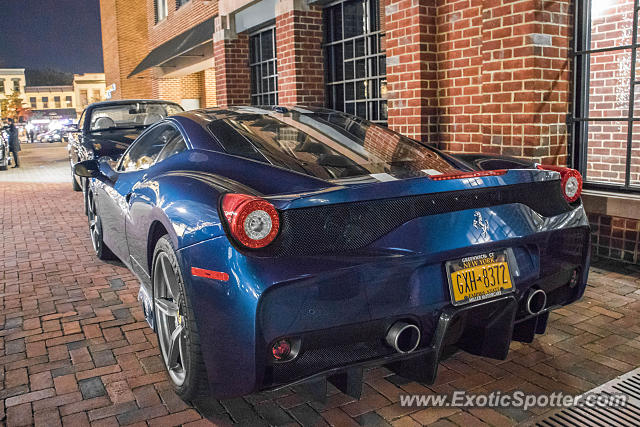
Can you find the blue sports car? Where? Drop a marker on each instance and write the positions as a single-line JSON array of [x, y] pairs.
[[277, 246]]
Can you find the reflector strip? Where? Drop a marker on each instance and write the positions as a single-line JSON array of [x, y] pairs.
[[463, 175], [215, 275]]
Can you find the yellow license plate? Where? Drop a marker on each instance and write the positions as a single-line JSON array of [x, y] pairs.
[[479, 277]]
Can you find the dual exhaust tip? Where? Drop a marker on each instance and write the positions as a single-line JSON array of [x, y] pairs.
[[536, 301], [403, 337]]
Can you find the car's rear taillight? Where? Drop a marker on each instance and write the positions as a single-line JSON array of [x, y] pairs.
[[571, 181], [252, 221]]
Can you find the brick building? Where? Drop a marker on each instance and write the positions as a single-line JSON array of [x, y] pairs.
[[543, 79]]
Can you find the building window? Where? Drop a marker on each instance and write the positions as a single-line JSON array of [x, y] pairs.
[[606, 105], [33, 103], [84, 97], [161, 9], [69, 101], [95, 95], [264, 70], [180, 3], [355, 62], [45, 102], [1, 85], [56, 101], [16, 85]]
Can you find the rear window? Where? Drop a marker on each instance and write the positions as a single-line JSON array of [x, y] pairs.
[[326, 145]]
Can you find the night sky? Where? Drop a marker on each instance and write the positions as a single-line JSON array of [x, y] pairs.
[[59, 34]]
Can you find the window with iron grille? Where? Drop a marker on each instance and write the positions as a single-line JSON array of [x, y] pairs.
[[264, 68], [16, 85], [1, 85], [180, 3], [56, 101], [355, 63], [606, 107], [161, 10], [69, 101], [45, 102], [32, 101]]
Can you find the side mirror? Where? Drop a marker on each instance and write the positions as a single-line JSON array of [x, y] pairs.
[[87, 169]]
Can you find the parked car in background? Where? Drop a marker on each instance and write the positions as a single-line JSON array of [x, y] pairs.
[[276, 246], [108, 128], [51, 136]]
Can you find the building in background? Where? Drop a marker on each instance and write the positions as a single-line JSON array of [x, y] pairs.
[[55, 106], [11, 80], [489, 76], [87, 89]]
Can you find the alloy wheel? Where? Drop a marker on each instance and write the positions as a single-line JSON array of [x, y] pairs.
[[95, 226], [171, 323]]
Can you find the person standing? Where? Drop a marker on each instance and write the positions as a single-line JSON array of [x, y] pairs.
[[14, 142]]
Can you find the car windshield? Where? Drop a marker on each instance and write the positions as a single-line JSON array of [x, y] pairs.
[[328, 145], [126, 116]]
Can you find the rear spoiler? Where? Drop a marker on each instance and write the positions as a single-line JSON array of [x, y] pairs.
[[412, 187]]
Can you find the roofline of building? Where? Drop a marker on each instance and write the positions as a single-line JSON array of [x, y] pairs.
[[11, 71], [60, 88]]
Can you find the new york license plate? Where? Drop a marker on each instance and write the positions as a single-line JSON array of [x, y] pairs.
[[479, 277]]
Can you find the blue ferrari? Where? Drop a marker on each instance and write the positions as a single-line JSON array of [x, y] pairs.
[[280, 246]]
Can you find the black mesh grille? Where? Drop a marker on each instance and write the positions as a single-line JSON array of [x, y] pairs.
[[348, 226]]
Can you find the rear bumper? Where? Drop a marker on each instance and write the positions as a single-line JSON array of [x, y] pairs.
[[340, 307], [485, 328]]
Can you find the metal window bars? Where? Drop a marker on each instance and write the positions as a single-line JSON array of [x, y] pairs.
[[263, 66], [355, 64]]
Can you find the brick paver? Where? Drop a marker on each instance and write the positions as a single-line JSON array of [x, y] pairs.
[[75, 349]]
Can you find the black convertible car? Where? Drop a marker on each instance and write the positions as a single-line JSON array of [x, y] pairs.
[[108, 128]]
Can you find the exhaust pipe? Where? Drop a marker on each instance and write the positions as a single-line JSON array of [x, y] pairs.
[[403, 337], [536, 301]]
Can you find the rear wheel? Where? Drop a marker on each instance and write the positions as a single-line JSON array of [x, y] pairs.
[[95, 230], [175, 325]]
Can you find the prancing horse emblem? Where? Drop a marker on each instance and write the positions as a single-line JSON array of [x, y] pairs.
[[480, 224]]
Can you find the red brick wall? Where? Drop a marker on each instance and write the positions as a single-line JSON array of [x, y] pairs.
[[617, 238], [412, 86], [178, 21], [232, 70], [168, 89], [612, 25], [492, 75], [300, 62], [124, 45], [110, 45], [209, 88], [191, 86]]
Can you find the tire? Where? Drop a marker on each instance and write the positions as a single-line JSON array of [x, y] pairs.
[[172, 310], [74, 181], [95, 231]]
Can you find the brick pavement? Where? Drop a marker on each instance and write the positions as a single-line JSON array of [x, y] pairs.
[[75, 350]]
